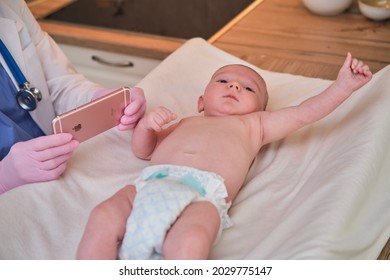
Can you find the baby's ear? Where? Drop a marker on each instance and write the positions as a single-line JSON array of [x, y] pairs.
[[200, 104]]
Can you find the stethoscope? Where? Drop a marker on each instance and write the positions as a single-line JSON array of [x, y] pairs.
[[27, 97]]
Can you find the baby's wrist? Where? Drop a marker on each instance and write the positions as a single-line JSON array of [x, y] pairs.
[[146, 124], [341, 87]]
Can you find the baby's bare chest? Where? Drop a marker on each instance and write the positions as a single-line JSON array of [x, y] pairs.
[[221, 137]]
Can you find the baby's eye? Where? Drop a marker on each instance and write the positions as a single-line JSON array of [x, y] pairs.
[[249, 89], [222, 81]]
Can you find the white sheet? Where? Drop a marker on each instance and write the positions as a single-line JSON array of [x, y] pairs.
[[321, 193]]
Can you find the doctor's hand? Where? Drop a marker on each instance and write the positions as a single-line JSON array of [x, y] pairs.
[[133, 112], [37, 160]]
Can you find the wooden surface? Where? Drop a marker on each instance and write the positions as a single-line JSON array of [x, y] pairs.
[[130, 43], [277, 35], [283, 36], [42, 8], [112, 40]]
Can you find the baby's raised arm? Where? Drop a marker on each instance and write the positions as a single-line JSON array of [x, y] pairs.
[[145, 134], [278, 124]]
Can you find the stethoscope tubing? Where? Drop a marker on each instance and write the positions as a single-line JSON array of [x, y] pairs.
[[14, 68]]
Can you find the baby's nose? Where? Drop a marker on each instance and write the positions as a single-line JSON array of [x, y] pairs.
[[234, 85]]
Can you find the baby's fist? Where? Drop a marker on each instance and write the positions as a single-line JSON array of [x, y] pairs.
[[159, 117]]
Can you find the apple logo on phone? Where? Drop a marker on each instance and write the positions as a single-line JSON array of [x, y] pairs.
[[77, 128]]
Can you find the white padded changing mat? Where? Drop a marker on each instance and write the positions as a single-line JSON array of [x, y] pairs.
[[321, 193]]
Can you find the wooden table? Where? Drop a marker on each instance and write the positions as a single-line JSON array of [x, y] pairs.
[[111, 40], [277, 35], [283, 36]]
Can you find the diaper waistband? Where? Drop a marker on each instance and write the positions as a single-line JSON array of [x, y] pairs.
[[193, 177]]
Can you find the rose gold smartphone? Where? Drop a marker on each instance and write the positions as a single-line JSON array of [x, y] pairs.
[[93, 117]]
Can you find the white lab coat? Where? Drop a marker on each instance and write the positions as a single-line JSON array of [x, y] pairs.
[[43, 64]]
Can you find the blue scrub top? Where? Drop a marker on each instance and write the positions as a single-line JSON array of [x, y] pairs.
[[16, 124]]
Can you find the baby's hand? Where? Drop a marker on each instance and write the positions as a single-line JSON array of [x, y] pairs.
[[353, 74], [159, 117]]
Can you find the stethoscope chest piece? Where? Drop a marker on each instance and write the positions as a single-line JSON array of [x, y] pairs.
[[28, 98]]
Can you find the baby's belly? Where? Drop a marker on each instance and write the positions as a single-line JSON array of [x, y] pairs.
[[232, 168], [191, 158]]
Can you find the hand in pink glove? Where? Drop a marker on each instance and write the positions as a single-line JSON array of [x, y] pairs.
[[37, 160], [133, 112]]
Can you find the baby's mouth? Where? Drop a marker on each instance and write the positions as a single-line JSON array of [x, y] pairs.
[[231, 97]]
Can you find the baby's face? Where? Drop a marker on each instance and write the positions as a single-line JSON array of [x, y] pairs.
[[234, 90]]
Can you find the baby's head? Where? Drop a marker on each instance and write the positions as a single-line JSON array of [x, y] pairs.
[[234, 89]]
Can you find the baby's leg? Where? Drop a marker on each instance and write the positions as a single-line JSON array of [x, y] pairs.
[[193, 233], [106, 226]]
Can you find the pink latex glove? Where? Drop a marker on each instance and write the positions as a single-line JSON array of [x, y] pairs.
[[37, 160], [133, 112]]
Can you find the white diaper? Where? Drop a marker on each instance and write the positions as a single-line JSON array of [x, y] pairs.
[[163, 191]]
